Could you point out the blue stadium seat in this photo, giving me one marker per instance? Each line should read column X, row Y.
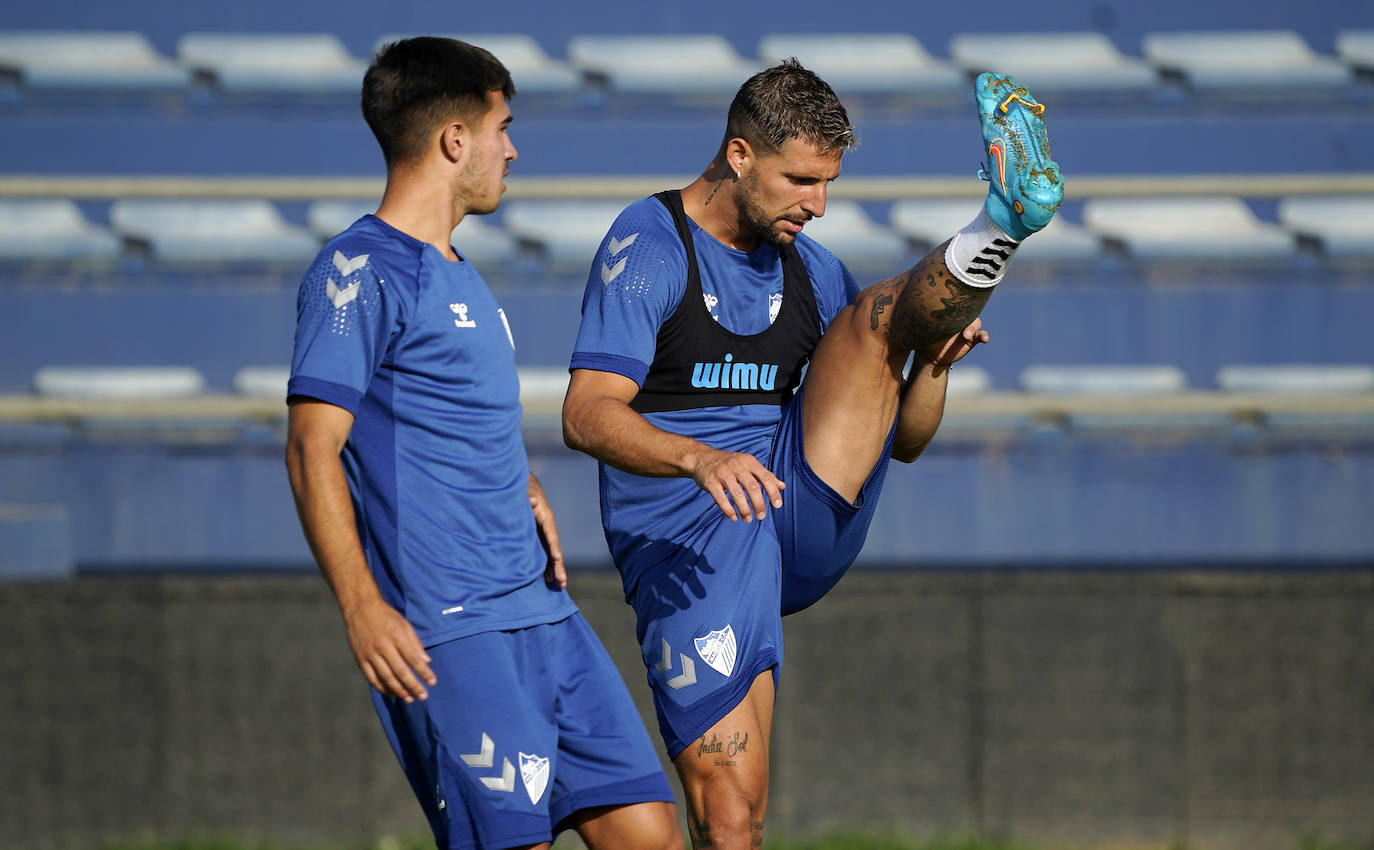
column 181, row 231
column 860, row 242
column 1188, row 228
column 867, row 63
column 685, row 65
column 1343, row 226
column 1264, row 62
column 1058, row 62
column 53, row 229
column 313, row 63
column 89, row 60
column 118, row 382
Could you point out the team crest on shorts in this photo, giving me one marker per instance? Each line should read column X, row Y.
column 534, row 770
column 718, row 650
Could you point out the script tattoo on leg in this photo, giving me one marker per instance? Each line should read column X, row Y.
column 723, row 751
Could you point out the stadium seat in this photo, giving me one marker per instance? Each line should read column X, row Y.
column 88, row 60
column 314, row 63
column 479, row 240
column 1343, row 226
column 210, row 231
column 567, row 233
column 965, row 381
column 931, row 221
column 1187, row 228
column 662, row 64
column 532, row 69
column 1356, row 49
column 1291, row 378
column 1275, row 62
column 861, row 243
column 866, row 63
column 1103, row 380
column 262, row 381
column 52, row 229
column 117, row 382
column 1054, row 61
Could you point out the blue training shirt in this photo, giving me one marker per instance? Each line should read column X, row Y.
column 637, row 280
column 415, row 346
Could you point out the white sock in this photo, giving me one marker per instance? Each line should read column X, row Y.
column 979, row 254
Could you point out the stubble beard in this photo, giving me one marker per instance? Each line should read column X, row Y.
column 755, row 219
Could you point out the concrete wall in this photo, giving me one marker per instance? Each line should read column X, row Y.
column 1223, row 709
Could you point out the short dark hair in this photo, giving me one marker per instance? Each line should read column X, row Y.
column 789, row 102
column 414, row 85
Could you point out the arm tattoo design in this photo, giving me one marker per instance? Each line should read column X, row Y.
column 879, row 304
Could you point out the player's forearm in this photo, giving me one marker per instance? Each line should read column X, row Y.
column 613, row 433
column 326, row 514
column 922, row 407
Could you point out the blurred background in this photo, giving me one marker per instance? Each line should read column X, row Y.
column 1124, row 598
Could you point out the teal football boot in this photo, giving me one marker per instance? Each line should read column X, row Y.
column 1026, row 187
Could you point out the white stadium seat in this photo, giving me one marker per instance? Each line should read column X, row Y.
column 197, row 231
column 1256, row 60
column 1344, row 226
column 52, row 229
column 662, row 64
column 117, row 382
column 89, row 60
column 1187, row 228
column 273, row 62
column 1059, row 61
column 1103, row 380
column 866, row 63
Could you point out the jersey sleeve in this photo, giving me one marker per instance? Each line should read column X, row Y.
column 348, row 310
column 636, row 281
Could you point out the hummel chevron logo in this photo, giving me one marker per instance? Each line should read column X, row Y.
column 339, row 296
column 689, row 668
column 615, row 246
column 485, row 758
column 346, row 266
column 610, row 273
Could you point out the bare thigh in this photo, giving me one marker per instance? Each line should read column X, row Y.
column 853, row 386
column 725, row 772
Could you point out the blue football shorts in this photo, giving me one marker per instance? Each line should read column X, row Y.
column 709, row 615
column 524, row 729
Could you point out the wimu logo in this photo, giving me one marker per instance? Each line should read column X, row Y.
column 734, row 376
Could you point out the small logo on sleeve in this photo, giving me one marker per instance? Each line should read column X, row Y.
column 462, row 321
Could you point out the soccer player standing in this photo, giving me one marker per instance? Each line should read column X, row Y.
column 410, row 477
column 702, row 310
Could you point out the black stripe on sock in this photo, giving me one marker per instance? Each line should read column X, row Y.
column 996, row 266
column 984, row 272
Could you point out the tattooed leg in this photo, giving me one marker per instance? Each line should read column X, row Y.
column 725, row 774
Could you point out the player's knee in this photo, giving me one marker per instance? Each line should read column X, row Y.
column 732, row 817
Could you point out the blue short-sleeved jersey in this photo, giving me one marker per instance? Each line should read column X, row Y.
column 416, row 347
column 636, row 282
